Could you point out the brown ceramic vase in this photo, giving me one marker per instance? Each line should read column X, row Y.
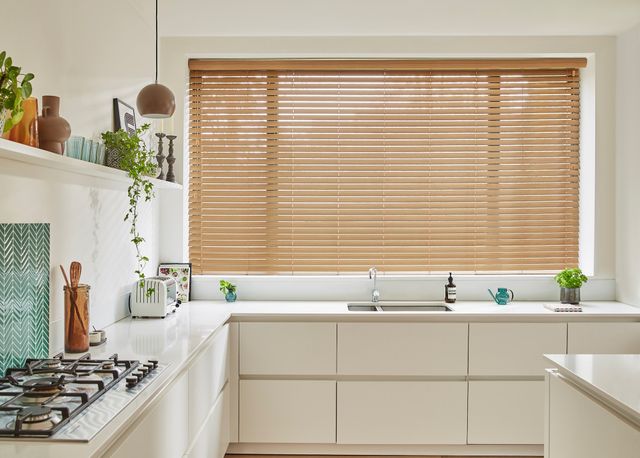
column 53, row 129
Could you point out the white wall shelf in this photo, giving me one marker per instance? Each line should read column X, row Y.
column 26, row 154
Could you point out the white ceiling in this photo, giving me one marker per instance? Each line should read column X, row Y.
column 394, row 17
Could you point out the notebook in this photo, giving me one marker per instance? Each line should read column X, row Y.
column 563, row 307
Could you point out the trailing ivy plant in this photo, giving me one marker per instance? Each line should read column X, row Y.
column 137, row 161
column 12, row 92
column 571, row 278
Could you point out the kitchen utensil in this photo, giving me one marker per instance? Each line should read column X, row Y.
column 75, row 271
column 502, row 297
column 74, row 308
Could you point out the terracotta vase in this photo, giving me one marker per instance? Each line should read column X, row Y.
column 26, row 131
column 53, row 129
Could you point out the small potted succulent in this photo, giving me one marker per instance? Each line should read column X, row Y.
column 13, row 91
column 570, row 281
column 229, row 291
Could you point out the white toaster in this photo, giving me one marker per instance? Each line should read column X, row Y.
column 159, row 303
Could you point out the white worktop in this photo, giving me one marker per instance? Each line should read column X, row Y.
column 177, row 339
column 612, row 379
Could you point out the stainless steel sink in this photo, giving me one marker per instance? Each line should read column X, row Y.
column 398, row 306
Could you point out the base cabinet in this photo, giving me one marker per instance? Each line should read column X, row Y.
column 288, row 411
column 426, row 412
column 212, row 440
column 506, row 412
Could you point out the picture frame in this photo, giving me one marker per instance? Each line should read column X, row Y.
column 124, row 117
column 181, row 273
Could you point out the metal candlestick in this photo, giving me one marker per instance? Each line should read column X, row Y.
column 170, row 160
column 160, row 157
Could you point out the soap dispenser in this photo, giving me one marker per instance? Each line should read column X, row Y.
column 450, row 291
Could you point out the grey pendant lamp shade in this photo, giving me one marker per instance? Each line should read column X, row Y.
column 156, row 100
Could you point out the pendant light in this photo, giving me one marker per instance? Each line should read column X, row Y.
column 156, row 100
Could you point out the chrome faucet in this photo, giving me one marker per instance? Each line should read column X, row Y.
column 373, row 275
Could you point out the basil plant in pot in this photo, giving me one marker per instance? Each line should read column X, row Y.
column 137, row 161
column 570, row 281
column 229, row 290
column 13, row 91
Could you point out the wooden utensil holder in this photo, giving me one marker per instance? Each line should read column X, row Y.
column 76, row 319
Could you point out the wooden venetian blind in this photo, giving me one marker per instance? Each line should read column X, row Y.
column 412, row 166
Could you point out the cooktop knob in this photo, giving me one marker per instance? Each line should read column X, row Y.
column 131, row 381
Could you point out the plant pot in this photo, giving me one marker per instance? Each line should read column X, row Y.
column 570, row 296
column 113, row 158
column 230, row 297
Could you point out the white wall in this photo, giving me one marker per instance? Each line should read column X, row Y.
column 87, row 52
column 175, row 52
column 628, row 167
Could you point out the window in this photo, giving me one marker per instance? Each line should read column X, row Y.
column 330, row 167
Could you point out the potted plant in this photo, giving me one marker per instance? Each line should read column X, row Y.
column 138, row 162
column 13, row 92
column 229, row 291
column 570, row 281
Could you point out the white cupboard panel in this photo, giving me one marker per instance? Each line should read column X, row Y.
column 506, row 412
column 433, row 412
column 213, row 439
column 287, row 348
column 516, row 349
column 402, row 348
column 604, row 338
column 288, row 411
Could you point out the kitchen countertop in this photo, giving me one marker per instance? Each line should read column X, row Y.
column 177, row 339
column 612, row 379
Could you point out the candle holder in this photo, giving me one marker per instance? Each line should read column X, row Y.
column 171, row 159
column 160, row 157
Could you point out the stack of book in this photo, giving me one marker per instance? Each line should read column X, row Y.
column 85, row 149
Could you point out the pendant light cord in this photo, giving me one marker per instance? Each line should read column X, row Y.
column 156, row 41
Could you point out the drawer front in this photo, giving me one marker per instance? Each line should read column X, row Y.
column 604, row 338
column 402, row 348
column 207, row 377
column 287, row 348
column 503, row 349
column 506, row 412
column 212, row 440
column 288, row 411
column 433, row 412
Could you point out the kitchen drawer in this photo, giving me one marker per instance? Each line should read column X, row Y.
column 430, row 412
column 207, row 376
column 287, row 348
column 402, row 348
column 288, row 411
column 513, row 349
column 604, row 338
column 506, row 412
column 212, row 438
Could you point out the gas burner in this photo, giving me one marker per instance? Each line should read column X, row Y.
column 45, row 384
column 35, row 414
column 51, row 364
column 36, row 418
column 108, row 365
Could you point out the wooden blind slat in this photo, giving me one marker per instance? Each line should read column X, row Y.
column 303, row 167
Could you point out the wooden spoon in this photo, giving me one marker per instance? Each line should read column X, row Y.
column 75, row 271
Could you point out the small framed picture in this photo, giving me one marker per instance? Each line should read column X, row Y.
column 124, row 117
column 181, row 273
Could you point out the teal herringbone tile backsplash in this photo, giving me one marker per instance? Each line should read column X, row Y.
column 24, row 293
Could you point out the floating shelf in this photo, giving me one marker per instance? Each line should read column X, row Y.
column 22, row 153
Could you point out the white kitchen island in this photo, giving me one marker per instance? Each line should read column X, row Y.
column 593, row 406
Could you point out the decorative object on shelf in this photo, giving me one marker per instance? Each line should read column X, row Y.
column 24, row 293
column 138, row 162
column 160, row 156
column 503, row 296
column 570, row 281
column 26, row 131
column 76, row 310
column 156, row 100
column 124, row 117
column 181, row 273
column 12, row 92
column 53, row 129
column 229, row 291
column 85, row 149
column 171, row 159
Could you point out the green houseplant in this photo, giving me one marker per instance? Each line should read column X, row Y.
column 229, row 290
column 13, row 91
column 570, row 281
column 137, row 161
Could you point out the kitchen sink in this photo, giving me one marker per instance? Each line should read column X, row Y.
column 400, row 306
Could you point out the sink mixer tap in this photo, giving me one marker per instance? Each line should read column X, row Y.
column 373, row 275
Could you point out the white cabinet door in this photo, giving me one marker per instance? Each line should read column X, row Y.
column 402, row 348
column 207, row 376
column 506, row 412
column 288, row 411
column 287, row 348
column 514, row 349
column 581, row 428
column 433, row 412
column 604, row 338
column 212, row 438
column 163, row 431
